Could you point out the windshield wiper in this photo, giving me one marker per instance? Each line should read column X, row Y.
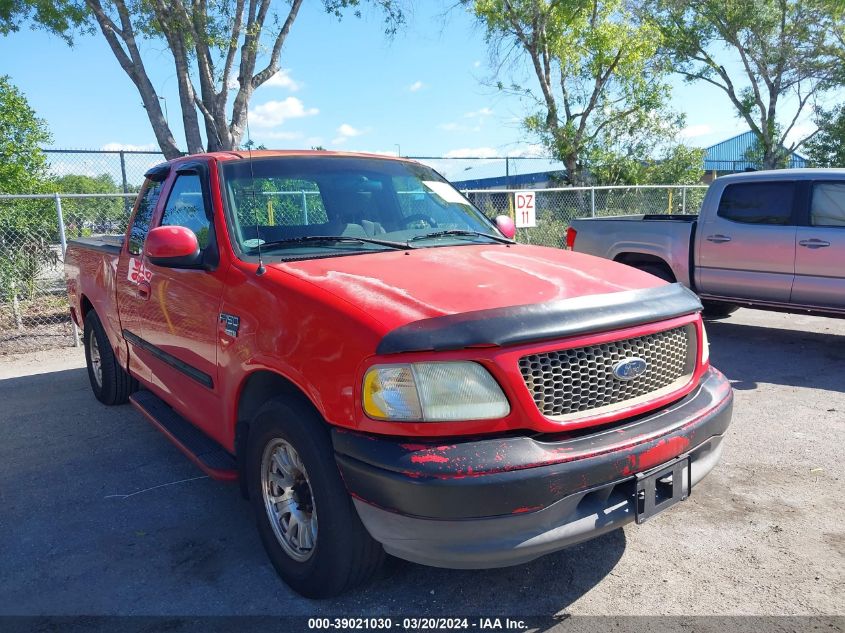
column 460, row 233
column 331, row 239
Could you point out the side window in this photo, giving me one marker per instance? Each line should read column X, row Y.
column 828, row 205
column 141, row 223
column 758, row 202
column 185, row 207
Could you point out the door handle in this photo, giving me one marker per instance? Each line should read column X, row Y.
column 718, row 239
column 144, row 290
column 814, row 243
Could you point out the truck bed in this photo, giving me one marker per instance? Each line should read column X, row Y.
column 665, row 217
column 107, row 243
column 650, row 237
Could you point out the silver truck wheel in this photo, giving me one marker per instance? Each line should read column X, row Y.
column 96, row 360
column 291, row 476
column 288, row 499
column 109, row 381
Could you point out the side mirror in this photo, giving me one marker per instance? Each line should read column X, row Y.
column 173, row 246
column 506, row 226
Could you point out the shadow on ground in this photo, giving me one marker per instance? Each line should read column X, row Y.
column 102, row 515
column 751, row 354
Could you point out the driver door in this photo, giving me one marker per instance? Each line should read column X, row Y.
column 184, row 308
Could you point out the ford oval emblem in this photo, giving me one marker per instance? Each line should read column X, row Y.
column 629, row 368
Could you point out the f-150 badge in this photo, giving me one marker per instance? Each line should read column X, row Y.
column 231, row 323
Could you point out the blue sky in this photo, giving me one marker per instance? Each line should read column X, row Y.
column 344, row 86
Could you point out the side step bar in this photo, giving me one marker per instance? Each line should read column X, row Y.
column 214, row 460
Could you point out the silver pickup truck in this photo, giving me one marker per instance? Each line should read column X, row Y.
column 766, row 239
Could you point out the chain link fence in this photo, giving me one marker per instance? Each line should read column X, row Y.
column 96, row 191
column 556, row 208
column 33, row 233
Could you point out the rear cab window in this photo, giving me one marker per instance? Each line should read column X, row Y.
column 144, row 216
column 758, row 203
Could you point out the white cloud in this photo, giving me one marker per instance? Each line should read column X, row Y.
column 478, row 114
column 379, row 152
column 282, row 79
column 529, row 151
column 127, row 147
column 694, row 131
column 346, row 132
column 417, row 85
column 472, row 152
column 476, row 64
column 477, row 117
column 274, row 113
column 281, row 135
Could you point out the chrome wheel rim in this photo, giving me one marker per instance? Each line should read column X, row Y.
column 288, row 499
column 96, row 360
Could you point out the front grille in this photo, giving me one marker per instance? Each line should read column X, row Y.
column 570, row 383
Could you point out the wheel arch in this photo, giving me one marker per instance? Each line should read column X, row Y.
column 257, row 388
column 85, row 306
column 633, row 258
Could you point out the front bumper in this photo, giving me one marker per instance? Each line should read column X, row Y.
column 502, row 501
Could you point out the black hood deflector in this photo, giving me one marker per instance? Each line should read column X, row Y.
column 541, row 321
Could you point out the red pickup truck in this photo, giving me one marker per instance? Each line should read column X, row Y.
column 384, row 370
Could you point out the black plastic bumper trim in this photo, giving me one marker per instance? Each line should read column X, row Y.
column 507, row 475
column 541, row 321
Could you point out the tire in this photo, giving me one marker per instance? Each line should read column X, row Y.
column 658, row 270
column 718, row 310
column 110, row 383
column 343, row 554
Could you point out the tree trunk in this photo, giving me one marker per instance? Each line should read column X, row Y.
column 573, row 174
column 186, row 99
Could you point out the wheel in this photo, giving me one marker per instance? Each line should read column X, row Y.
column 306, row 519
column 110, row 383
column 717, row 309
column 658, row 270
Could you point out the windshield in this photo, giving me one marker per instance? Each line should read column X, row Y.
column 289, row 202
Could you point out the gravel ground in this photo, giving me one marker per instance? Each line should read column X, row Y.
column 101, row 515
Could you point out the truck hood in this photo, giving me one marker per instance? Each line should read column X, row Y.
column 400, row 287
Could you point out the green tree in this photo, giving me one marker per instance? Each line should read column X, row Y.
column 788, row 52
column 98, row 215
column 674, row 165
column 22, row 163
column 26, row 226
column 596, row 65
column 827, row 148
column 217, row 48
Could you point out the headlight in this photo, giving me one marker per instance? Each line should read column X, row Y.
column 433, row 392
column 705, row 345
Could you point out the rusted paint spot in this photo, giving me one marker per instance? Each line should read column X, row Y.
column 415, row 447
column 423, row 459
column 663, row 451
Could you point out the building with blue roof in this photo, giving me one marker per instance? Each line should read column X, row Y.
column 726, row 157
column 516, row 173
column 732, row 155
